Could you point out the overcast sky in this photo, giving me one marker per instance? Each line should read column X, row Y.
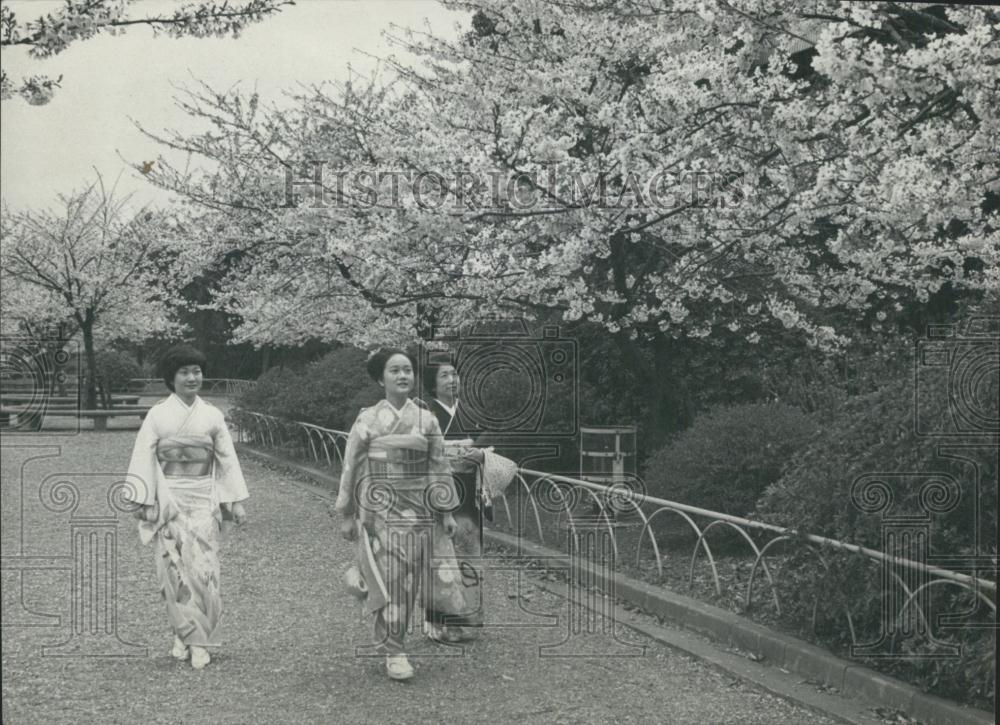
column 45, row 150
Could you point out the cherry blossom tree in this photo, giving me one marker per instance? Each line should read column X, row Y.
column 684, row 169
column 94, row 268
column 79, row 20
column 31, row 325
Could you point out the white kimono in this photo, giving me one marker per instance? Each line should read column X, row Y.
column 185, row 532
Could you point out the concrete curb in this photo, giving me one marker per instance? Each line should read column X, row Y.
column 779, row 650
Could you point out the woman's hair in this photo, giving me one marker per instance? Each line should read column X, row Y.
column 378, row 359
column 177, row 357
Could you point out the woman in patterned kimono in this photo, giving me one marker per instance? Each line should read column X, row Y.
column 472, row 469
column 183, row 473
column 396, row 494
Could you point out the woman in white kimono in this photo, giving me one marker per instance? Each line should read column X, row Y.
column 184, row 473
column 397, row 492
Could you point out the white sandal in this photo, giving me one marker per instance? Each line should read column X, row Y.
column 180, row 650
column 199, row 657
column 398, row 667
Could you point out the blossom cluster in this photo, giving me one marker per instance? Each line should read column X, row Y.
column 853, row 146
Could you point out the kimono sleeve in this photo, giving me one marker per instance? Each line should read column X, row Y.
column 143, row 468
column 354, row 457
column 229, row 481
column 443, row 495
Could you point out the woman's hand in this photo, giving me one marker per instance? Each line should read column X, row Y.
column 349, row 529
column 147, row 512
column 449, row 524
column 475, row 455
column 239, row 513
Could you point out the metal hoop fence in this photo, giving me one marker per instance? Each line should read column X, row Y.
column 543, row 497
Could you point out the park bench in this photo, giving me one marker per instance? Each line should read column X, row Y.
column 42, row 404
column 100, row 417
column 61, row 400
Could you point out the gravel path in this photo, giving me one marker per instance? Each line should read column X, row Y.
column 291, row 632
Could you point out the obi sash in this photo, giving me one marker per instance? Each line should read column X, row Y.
column 186, row 456
column 399, row 459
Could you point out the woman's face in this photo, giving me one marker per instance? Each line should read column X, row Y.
column 397, row 378
column 187, row 380
column 446, row 383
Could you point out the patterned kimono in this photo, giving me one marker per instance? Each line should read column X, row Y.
column 185, row 463
column 397, row 483
column 469, row 515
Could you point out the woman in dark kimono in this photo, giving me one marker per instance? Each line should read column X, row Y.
column 442, row 384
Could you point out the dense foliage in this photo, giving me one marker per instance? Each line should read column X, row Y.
column 920, row 446
column 731, row 453
column 114, row 369
column 679, row 170
column 328, row 392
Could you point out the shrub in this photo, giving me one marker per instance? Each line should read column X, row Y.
column 271, row 389
column 113, row 370
column 728, row 456
column 877, row 433
column 328, row 392
column 820, row 493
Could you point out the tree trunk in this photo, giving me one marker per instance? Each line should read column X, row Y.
column 672, row 410
column 88, row 348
